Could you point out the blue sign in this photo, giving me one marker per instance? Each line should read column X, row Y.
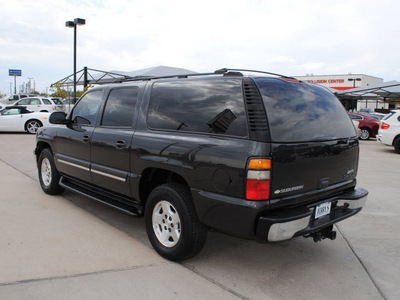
column 12, row 72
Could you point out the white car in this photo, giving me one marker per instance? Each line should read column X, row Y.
column 389, row 131
column 39, row 104
column 21, row 119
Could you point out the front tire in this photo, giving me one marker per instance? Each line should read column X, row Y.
column 32, row 126
column 49, row 177
column 172, row 224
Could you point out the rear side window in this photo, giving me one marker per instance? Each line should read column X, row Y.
column 299, row 112
column 205, row 106
column 46, row 101
column 120, row 107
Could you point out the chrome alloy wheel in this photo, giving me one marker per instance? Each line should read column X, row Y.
column 45, row 169
column 166, row 224
column 33, row 126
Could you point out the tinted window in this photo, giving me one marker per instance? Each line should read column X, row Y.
column 300, row 112
column 46, row 101
column 120, row 107
column 209, row 106
column 85, row 111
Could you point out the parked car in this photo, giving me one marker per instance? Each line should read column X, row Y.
column 369, row 112
column 260, row 157
column 389, row 131
column 10, row 100
column 68, row 105
column 39, row 104
column 18, row 118
column 369, row 126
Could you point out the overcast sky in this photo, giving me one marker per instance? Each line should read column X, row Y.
column 291, row 37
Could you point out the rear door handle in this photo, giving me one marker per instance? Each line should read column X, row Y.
column 121, row 144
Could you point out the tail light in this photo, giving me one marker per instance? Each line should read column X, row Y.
column 258, row 179
column 385, row 125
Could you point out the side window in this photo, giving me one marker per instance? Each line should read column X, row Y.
column 46, row 101
column 204, row 106
column 22, row 102
column 85, row 111
column 120, row 107
column 34, row 102
column 12, row 111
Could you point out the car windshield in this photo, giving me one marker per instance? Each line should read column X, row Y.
column 299, row 112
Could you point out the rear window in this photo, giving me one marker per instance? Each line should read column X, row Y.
column 299, row 112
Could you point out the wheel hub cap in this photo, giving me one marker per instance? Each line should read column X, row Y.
column 46, row 172
column 166, row 223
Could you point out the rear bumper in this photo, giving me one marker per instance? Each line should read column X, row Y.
column 286, row 224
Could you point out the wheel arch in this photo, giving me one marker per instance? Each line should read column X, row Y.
column 40, row 146
column 153, row 177
column 395, row 139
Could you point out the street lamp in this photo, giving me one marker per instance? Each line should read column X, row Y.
column 73, row 24
column 354, row 81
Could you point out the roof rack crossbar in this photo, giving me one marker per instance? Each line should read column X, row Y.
column 225, row 70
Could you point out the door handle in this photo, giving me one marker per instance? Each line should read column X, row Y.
column 121, row 144
column 86, row 138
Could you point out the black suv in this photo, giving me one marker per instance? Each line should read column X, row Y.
column 261, row 156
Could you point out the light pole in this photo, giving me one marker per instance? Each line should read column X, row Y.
column 73, row 24
column 354, row 81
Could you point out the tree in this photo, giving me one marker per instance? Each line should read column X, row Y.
column 58, row 91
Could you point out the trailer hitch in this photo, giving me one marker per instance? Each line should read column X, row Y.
column 325, row 233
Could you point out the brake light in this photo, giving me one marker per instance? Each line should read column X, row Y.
column 258, row 179
column 385, row 125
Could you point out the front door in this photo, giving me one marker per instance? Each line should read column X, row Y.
column 73, row 142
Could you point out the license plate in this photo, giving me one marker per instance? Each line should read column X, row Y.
column 322, row 210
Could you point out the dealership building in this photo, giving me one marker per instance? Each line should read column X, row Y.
column 346, row 82
column 341, row 82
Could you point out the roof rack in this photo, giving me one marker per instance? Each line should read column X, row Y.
column 226, row 70
column 87, row 78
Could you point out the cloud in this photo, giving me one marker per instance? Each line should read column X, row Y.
column 288, row 37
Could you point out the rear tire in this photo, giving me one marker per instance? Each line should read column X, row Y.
column 172, row 224
column 49, row 177
column 32, row 126
column 396, row 145
column 365, row 134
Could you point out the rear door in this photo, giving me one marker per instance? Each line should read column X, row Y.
column 111, row 141
column 313, row 141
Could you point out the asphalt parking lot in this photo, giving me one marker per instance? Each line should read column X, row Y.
column 69, row 247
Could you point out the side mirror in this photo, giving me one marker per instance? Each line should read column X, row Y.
column 58, row 117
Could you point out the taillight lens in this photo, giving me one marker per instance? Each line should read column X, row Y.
column 385, row 125
column 258, row 179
